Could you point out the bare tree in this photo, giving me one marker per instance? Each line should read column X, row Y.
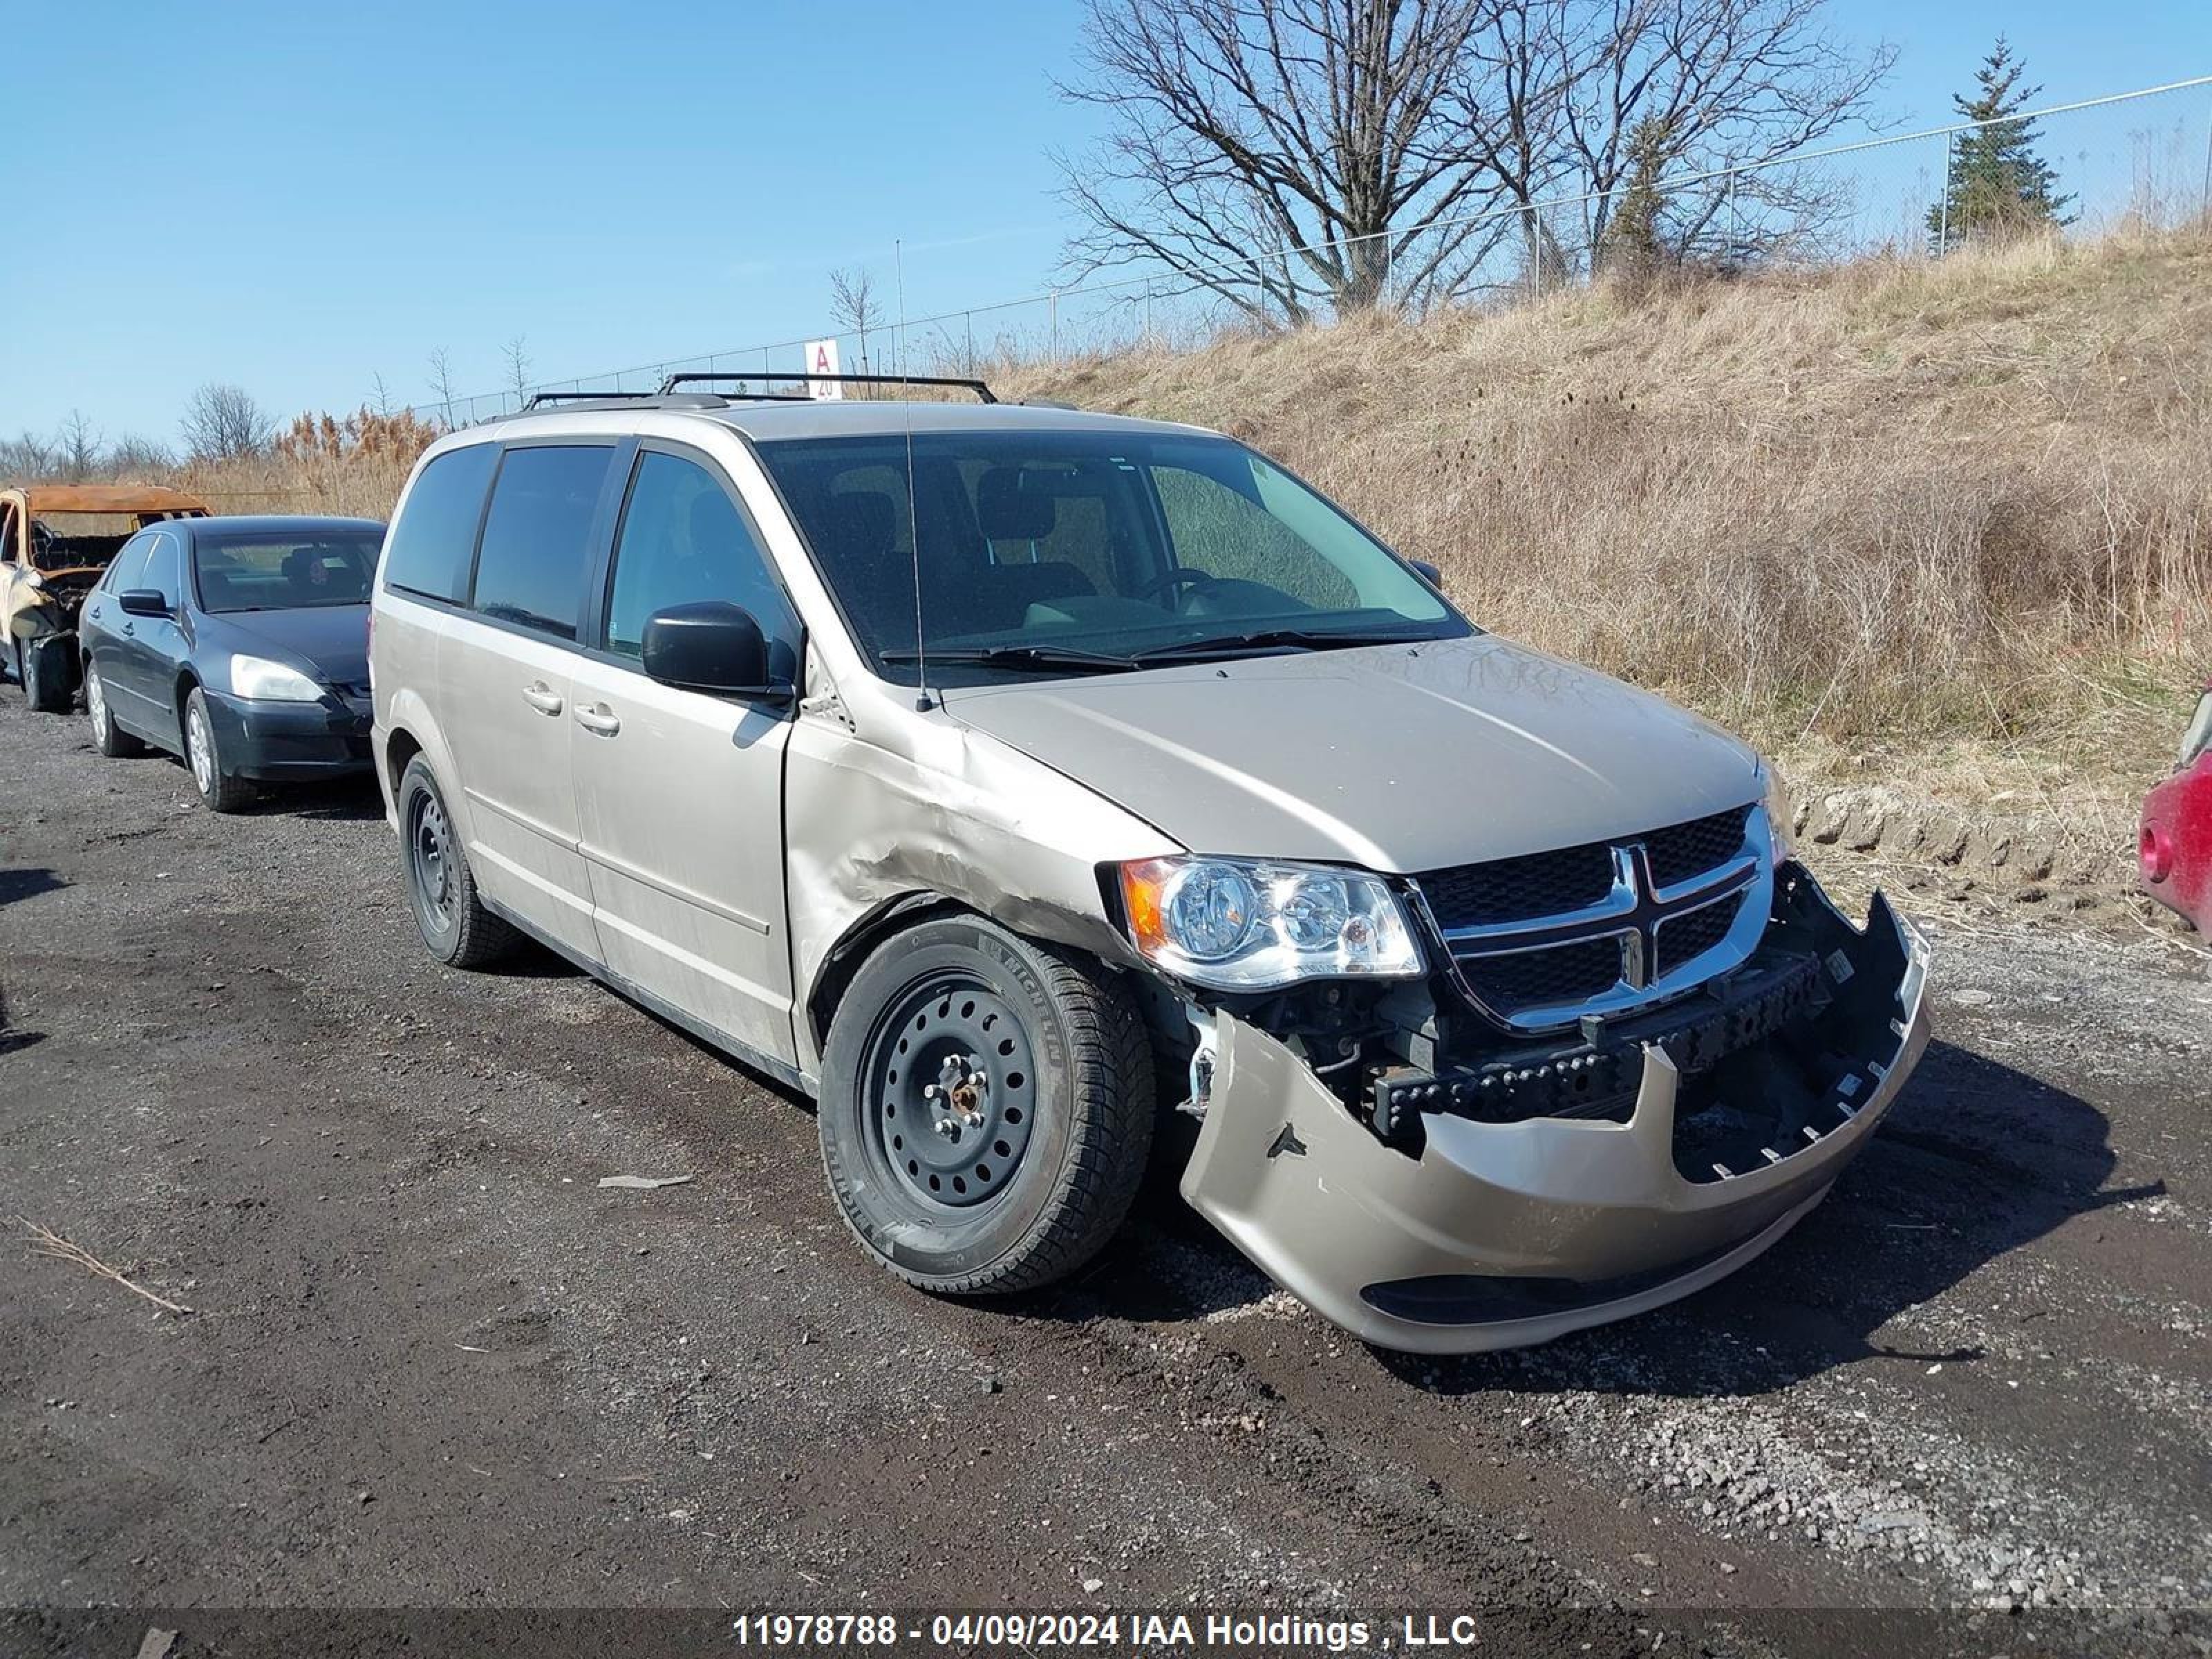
column 1558, row 93
column 854, row 307
column 223, row 423
column 77, row 445
column 518, row 369
column 1278, row 153
column 25, row 456
column 379, row 394
column 1410, row 138
column 441, row 381
column 134, row 457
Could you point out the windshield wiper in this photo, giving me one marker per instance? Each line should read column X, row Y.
column 1309, row 639
column 1018, row 656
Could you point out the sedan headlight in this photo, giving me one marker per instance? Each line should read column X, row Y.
column 272, row 682
column 1236, row 925
column 1780, row 822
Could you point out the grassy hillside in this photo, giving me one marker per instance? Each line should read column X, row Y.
column 1949, row 525
column 1961, row 512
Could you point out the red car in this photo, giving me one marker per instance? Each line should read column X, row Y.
column 2177, row 827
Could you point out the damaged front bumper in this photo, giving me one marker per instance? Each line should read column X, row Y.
column 1482, row 1234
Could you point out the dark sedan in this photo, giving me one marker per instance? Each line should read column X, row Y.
column 238, row 643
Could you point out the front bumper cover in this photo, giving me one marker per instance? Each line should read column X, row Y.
column 274, row 741
column 1501, row 1235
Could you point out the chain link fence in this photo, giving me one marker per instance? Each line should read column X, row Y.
column 2138, row 160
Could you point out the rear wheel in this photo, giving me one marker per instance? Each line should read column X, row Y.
column 455, row 923
column 222, row 791
column 111, row 739
column 987, row 1107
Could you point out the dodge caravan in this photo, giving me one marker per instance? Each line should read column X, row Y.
column 1011, row 779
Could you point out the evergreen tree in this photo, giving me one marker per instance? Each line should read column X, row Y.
column 1998, row 184
column 1635, row 249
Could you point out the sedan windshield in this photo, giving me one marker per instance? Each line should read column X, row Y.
column 283, row 570
column 1058, row 553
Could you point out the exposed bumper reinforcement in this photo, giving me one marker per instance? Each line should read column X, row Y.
column 1502, row 1235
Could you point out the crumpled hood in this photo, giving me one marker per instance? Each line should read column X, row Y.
column 1398, row 758
column 333, row 639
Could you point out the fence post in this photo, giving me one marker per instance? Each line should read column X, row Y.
column 2208, row 159
column 1735, row 226
column 1943, row 223
column 1055, row 325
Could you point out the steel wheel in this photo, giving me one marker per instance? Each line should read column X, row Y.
column 429, row 845
column 95, row 705
column 952, row 1093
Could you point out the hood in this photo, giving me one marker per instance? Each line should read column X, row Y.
column 1397, row 758
column 332, row 639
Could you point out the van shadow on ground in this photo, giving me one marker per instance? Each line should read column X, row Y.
column 1976, row 1160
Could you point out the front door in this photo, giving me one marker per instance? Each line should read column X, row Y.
column 140, row 670
column 679, row 795
column 504, row 680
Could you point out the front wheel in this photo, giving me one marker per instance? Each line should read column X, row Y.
column 45, row 689
column 220, row 790
column 987, row 1107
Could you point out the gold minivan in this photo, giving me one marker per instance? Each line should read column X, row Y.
column 1045, row 792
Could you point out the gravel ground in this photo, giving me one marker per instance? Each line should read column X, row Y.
column 431, row 1364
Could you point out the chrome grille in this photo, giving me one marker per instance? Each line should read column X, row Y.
column 1514, row 889
column 1538, row 941
column 1684, row 850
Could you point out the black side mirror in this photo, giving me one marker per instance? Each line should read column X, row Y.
column 1429, row 573
column 710, row 645
column 144, row 602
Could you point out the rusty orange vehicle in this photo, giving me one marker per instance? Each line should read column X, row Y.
column 55, row 542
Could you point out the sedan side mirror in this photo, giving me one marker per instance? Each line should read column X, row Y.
column 1429, row 573
column 710, row 645
column 144, row 602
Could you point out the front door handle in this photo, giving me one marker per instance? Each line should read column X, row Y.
column 541, row 697
column 602, row 720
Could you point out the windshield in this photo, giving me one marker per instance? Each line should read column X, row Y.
column 283, row 570
column 1074, row 552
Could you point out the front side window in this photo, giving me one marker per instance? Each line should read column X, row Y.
column 1056, row 552
column 537, row 534
column 128, row 568
column 683, row 539
column 163, row 569
column 283, row 570
column 430, row 548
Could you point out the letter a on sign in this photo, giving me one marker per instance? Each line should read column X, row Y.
column 821, row 359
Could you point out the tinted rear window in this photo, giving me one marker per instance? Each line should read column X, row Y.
column 536, row 537
column 427, row 552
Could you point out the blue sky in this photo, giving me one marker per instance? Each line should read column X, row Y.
column 295, row 198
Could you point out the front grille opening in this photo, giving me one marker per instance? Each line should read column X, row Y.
column 1544, row 979
column 1684, row 850
column 1520, row 890
column 1683, row 939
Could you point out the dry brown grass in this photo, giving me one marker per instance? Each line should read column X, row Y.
column 1958, row 512
column 1950, row 523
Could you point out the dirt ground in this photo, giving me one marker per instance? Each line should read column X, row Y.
column 431, row 1364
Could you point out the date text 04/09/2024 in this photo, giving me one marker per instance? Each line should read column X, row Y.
column 1001, row 1628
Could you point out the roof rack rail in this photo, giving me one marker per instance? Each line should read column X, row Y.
column 537, row 398
column 982, row 391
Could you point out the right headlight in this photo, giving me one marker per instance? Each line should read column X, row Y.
column 1243, row 925
column 1779, row 818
